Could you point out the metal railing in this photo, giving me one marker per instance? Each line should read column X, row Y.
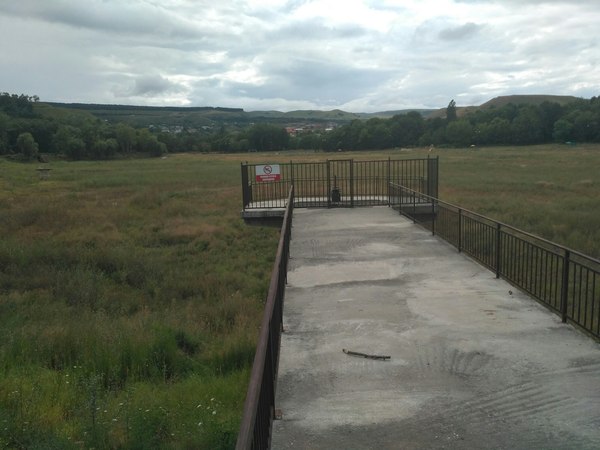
column 358, row 183
column 259, row 407
column 566, row 281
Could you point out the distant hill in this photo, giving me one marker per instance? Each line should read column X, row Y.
column 390, row 114
column 335, row 115
column 498, row 102
column 528, row 100
column 207, row 116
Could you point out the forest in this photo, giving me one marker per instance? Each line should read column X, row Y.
column 31, row 129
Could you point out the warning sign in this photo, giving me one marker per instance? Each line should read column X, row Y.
column 268, row 172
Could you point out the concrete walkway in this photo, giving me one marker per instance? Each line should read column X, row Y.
column 473, row 366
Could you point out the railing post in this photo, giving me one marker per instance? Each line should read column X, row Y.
column 428, row 175
column 432, row 216
column 414, row 214
column 498, row 250
column 245, row 196
column 565, row 286
column 328, row 185
column 388, row 179
column 460, row 230
column 351, row 183
column 437, row 176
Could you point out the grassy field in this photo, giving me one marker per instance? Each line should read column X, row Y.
column 551, row 191
column 130, row 298
column 131, row 292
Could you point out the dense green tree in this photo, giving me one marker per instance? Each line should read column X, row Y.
column 126, row 137
column 585, row 126
column 527, row 127
column 105, row 148
column 549, row 113
column 68, row 141
column 149, row 143
column 4, row 123
column 563, row 130
column 264, row 137
column 27, row 146
column 496, row 132
column 451, row 111
column 459, row 133
column 406, row 129
column 17, row 105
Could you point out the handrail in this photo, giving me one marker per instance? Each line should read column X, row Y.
column 363, row 181
column 259, row 407
column 564, row 280
column 502, row 224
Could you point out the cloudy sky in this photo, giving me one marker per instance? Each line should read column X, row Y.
column 369, row 55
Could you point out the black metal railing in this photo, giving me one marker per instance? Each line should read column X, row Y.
column 259, row 407
column 566, row 281
column 317, row 184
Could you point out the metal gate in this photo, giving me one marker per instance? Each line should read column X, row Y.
column 340, row 185
column 336, row 182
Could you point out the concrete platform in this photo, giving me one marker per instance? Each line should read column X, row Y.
column 474, row 363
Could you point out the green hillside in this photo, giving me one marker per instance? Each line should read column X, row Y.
column 196, row 117
column 498, row 102
column 528, row 100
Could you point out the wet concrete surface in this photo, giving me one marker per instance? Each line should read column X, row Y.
column 474, row 362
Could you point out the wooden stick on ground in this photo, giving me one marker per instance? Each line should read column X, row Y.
column 364, row 355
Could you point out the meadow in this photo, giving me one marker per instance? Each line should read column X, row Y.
column 130, row 299
column 131, row 291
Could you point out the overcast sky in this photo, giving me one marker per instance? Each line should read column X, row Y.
column 369, row 55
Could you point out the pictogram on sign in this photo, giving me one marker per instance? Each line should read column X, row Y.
column 268, row 172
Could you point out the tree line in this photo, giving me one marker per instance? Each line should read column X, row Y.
column 28, row 128
column 511, row 124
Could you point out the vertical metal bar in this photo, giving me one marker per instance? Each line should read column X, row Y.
column 555, row 278
column 527, row 266
column 574, row 285
column 537, row 276
column 585, row 308
column 593, row 307
column 460, row 230
column 498, row 249
column 580, row 283
column 244, row 174
column 328, row 193
column 388, row 178
column 565, row 286
column 432, row 216
column 351, row 183
column 544, row 277
column 437, row 175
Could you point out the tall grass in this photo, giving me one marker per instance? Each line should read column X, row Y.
column 130, row 296
column 131, row 291
column 552, row 191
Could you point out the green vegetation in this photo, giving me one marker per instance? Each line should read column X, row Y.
column 130, row 298
column 131, row 292
column 79, row 131
column 550, row 190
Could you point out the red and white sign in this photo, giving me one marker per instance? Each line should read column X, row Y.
column 268, row 172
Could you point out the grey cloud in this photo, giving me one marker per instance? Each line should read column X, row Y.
column 199, row 52
column 461, row 32
column 312, row 80
column 317, row 30
column 104, row 16
column 149, row 86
